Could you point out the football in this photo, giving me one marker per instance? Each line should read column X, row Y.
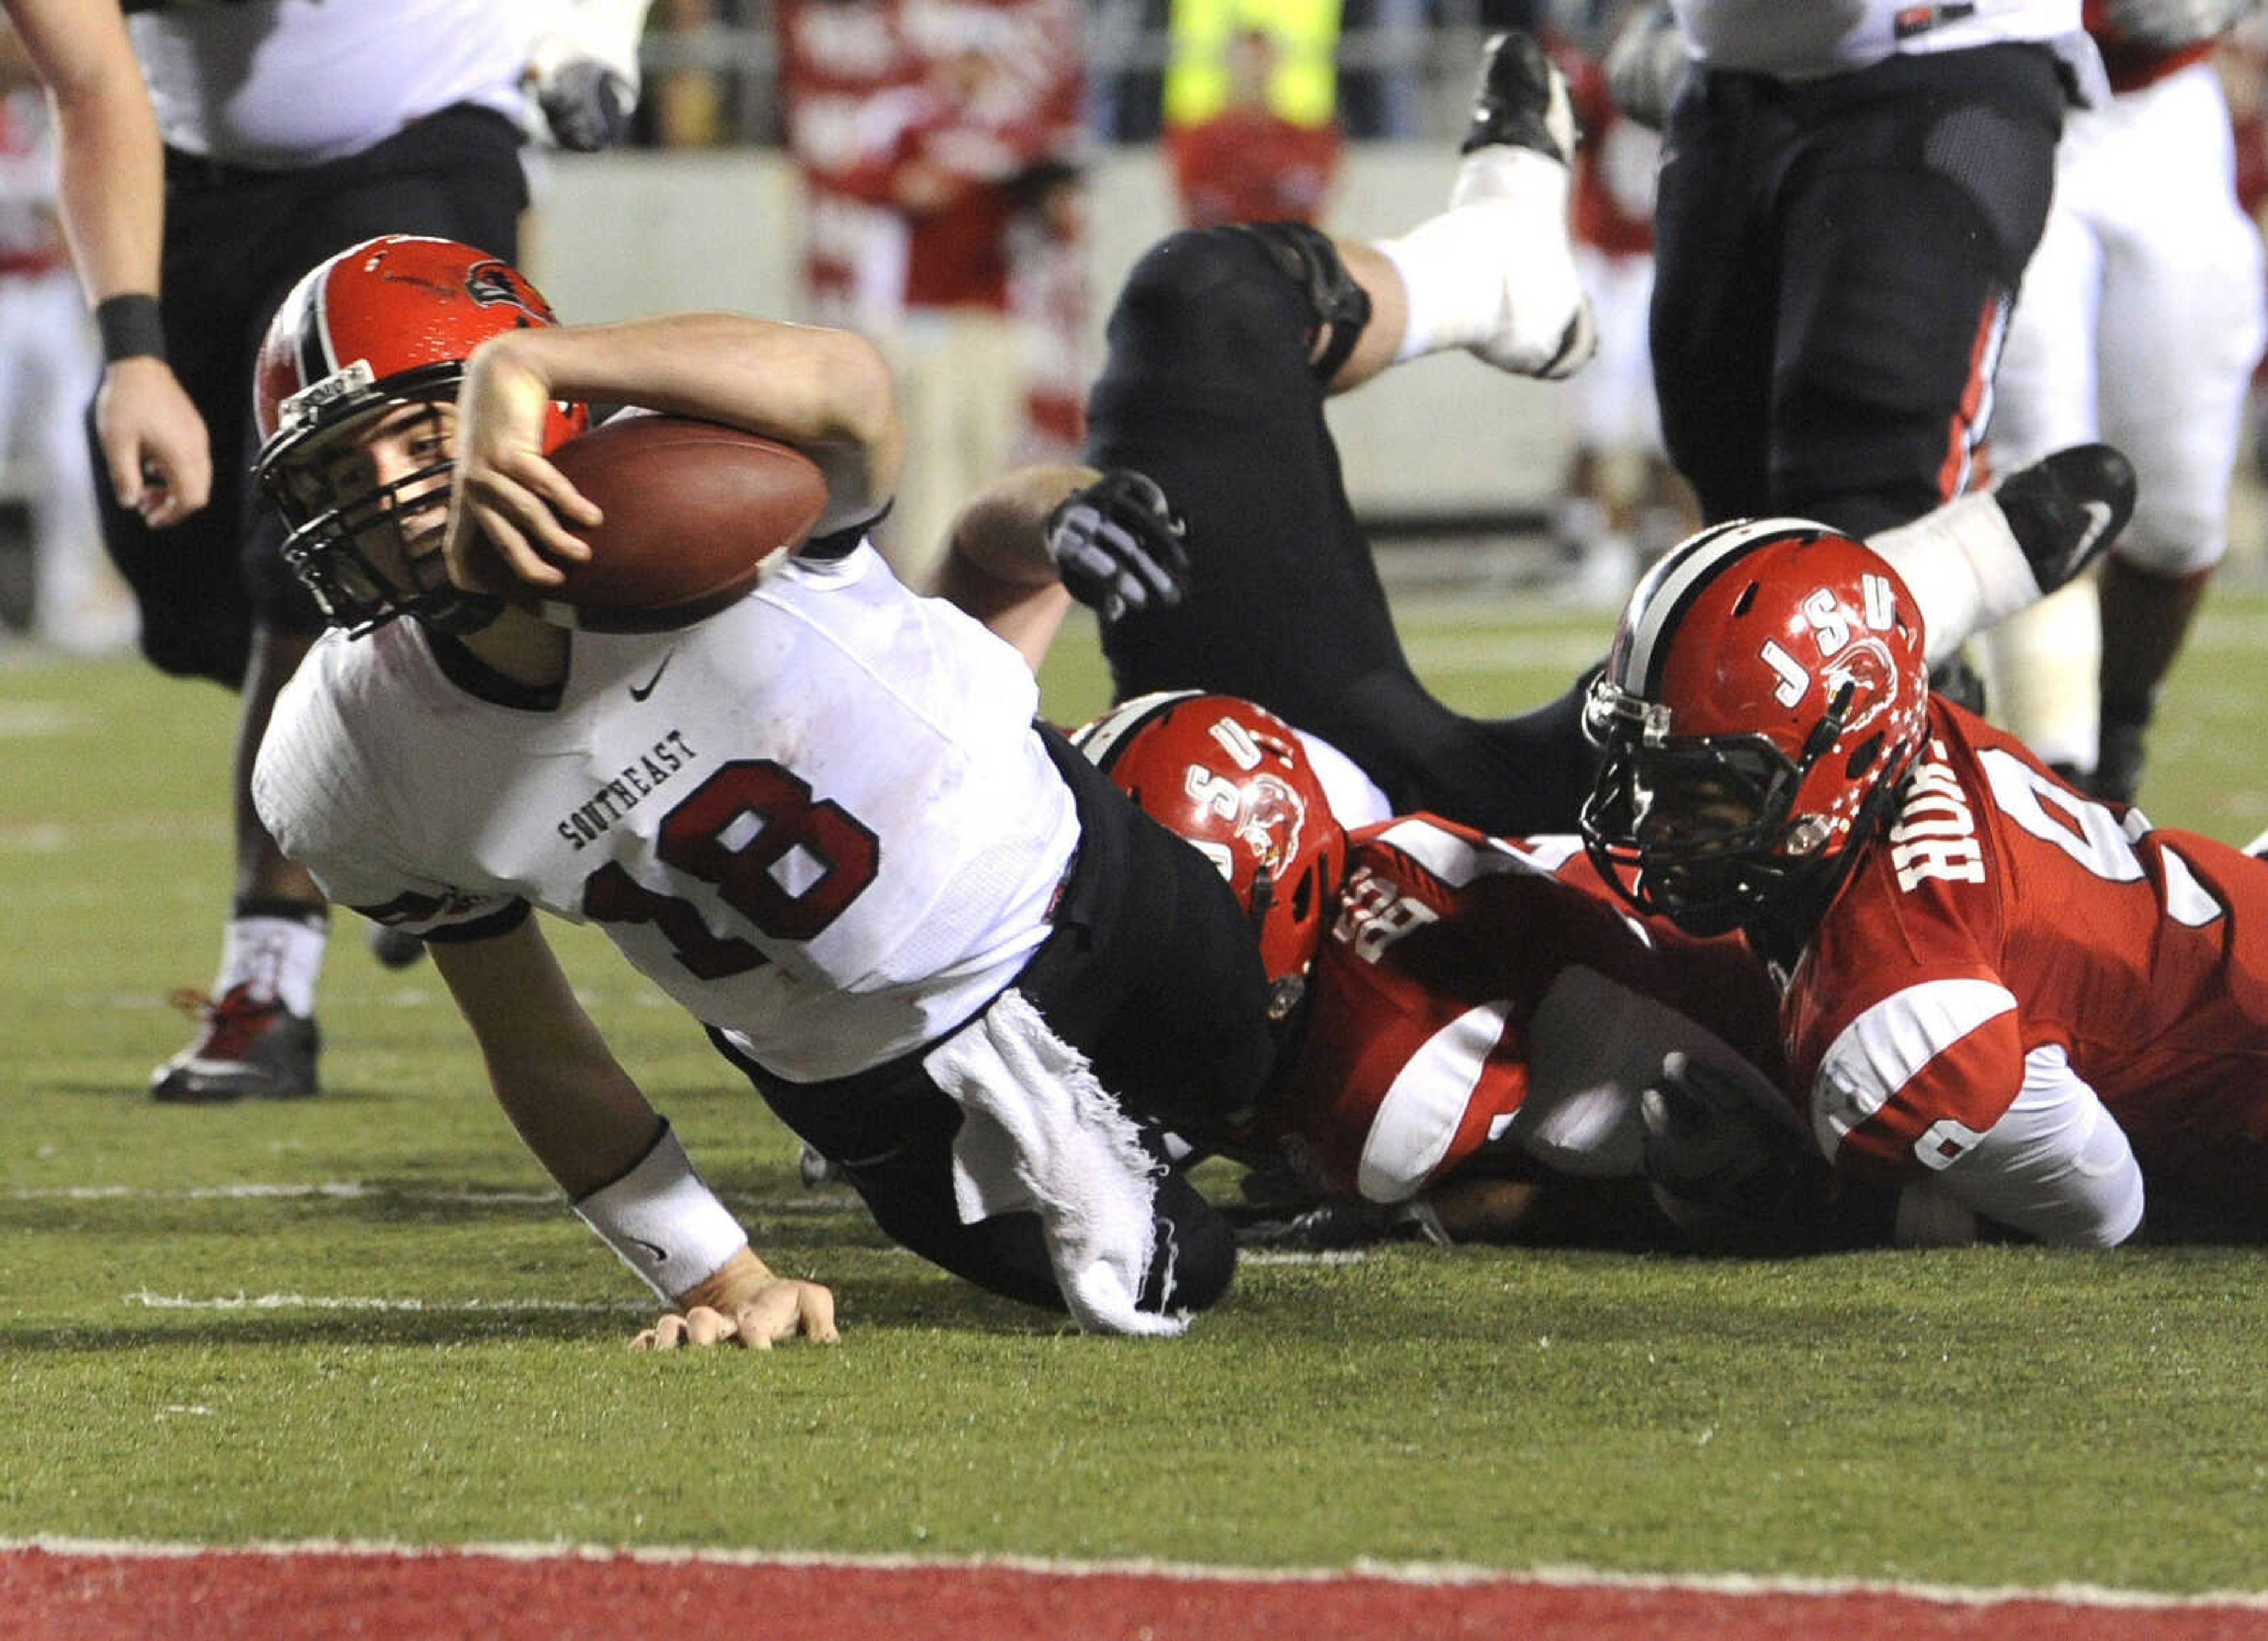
column 694, row 512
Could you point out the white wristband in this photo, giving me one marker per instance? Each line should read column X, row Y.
column 665, row 1223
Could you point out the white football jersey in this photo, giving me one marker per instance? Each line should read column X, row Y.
column 822, row 820
column 277, row 84
column 1804, row 41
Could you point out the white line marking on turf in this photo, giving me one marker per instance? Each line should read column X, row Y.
column 358, row 1190
column 352, row 1302
column 1423, row 1573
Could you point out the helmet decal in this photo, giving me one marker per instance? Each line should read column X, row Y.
column 1235, row 781
column 1766, row 693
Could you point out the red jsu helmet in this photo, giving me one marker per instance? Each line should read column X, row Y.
column 388, row 322
column 1233, row 778
column 1764, row 698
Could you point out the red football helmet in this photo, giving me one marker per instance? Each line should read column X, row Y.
column 1764, row 700
column 386, row 323
column 1232, row 778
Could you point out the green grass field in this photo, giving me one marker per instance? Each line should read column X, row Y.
column 367, row 1317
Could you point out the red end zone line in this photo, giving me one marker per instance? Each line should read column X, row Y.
column 95, row 1593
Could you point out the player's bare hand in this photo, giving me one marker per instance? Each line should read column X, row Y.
column 512, row 515
column 154, row 445
column 744, row 1304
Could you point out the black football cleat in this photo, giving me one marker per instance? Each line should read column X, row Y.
column 2067, row 509
column 1522, row 100
column 245, row 1045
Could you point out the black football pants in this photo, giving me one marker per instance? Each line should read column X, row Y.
column 1207, row 390
column 1152, row 973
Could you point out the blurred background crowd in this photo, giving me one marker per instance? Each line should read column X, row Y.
column 942, row 159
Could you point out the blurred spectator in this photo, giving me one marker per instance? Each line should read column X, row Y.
column 685, row 106
column 1051, row 295
column 2141, row 319
column 1303, row 77
column 2242, row 59
column 48, row 364
column 969, row 139
column 1246, row 163
column 836, row 60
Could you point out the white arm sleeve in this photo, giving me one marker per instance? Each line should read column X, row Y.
column 2056, row 1165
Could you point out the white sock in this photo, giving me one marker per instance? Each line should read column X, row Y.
column 273, row 957
column 2042, row 675
column 1494, row 271
column 1964, row 568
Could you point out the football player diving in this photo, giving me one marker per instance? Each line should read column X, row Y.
column 943, row 947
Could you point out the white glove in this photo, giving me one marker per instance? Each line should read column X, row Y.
column 1646, row 64
column 2170, row 25
column 585, row 71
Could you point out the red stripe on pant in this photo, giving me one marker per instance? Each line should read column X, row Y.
column 1969, row 416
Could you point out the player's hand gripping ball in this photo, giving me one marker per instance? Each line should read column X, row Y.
column 694, row 512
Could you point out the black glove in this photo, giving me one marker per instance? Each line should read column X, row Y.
column 1726, row 1167
column 1118, row 546
column 587, row 106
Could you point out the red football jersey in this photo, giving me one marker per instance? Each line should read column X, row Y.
column 1615, row 164
column 2006, row 925
column 1248, row 165
column 1475, row 992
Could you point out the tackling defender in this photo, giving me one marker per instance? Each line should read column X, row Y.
column 2042, row 1005
column 1224, row 345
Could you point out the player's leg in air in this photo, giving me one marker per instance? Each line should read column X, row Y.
column 1223, row 347
column 1224, row 344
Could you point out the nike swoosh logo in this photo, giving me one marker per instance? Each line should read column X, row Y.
column 654, row 1251
column 2098, row 520
column 654, row 682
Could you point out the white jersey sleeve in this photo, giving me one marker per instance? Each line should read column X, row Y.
column 325, row 789
column 1801, row 42
column 2054, row 1163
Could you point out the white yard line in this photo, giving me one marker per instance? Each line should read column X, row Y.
column 357, row 1302
column 413, row 1195
column 1428, row 1573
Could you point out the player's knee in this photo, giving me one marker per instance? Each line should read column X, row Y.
column 1226, row 294
column 1195, row 1260
column 1187, row 281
